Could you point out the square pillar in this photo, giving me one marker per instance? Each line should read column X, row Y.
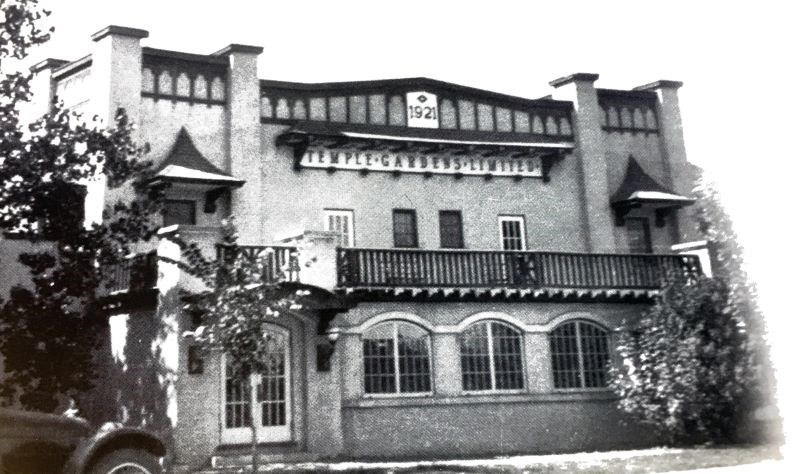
column 579, row 89
column 680, row 172
column 116, row 75
column 243, row 117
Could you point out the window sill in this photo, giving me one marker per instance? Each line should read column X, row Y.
column 492, row 393
column 384, row 396
column 481, row 398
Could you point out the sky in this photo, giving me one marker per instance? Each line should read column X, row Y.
column 737, row 61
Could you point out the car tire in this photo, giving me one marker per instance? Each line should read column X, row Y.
column 127, row 461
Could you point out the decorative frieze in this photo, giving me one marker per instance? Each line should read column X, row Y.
column 627, row 111
column 395, row 103
column 181, row 77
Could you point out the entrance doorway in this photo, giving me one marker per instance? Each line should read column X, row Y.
column 270, row 405
column 638, row 230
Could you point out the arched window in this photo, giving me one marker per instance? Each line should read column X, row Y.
column 580, row 353
column 491, row 357
column 396, row 359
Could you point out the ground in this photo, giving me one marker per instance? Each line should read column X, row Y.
column 635, row 461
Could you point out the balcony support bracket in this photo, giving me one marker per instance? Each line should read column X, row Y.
column 211, row 197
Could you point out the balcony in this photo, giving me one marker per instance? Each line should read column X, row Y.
column 140, row 272
column 281, row 262
column 134, row 274
column 360, row 268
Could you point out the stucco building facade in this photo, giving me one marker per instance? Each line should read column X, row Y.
column 473, row 253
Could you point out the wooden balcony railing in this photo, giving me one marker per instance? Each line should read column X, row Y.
column 140, row 272
column 137, row 273
column 280, row 261
column 475, row 268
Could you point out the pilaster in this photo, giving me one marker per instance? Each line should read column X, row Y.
column 680, row 172
column 243, row 116
column 446, row 365
column 116, row 75
column 537, row 362
column 579, row 89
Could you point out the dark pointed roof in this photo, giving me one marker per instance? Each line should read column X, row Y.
column 640, row 186
column 185, row 163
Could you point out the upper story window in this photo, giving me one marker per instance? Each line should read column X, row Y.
column 638, row 230
column 451, row 230
column 491, row 357
column 396, row 359
column 512, row 233
column 404, row 224
column 341, row 222
column 182, row 212
column 579, row 350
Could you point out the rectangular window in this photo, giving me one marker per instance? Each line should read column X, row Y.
column 341, row 222
column 638, row 230
column 180, row 212
column 405, row 227
column 512, row 233
column 451, row 233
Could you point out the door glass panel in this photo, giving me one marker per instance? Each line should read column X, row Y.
column 237, row 401
column 270, row 406
column 272, row 395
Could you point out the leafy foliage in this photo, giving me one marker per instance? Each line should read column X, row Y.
column 238, row 303
column 20, row 28
column 687, row 364
column 716, row 227
column 696, row 364
column 47, row 331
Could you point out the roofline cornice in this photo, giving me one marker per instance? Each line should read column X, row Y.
column 422, row 82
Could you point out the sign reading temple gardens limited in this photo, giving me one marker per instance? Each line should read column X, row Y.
column 530, row 167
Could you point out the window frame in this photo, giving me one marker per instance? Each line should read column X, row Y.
column 413, row 214
column 193, row 203
column 580, row 351
column 396, row 361
column 492, row 370
column 523, row 231
column 348, row 213
column 451, row 212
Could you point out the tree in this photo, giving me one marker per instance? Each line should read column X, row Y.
column 695, row 365
column 687, row 363
column 239, row 301
column 49, row 330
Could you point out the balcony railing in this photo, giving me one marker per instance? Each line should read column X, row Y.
column 473, row 268
column 136, row 273
column 280, row 261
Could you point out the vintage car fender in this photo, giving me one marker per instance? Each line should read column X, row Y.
column 108, row 438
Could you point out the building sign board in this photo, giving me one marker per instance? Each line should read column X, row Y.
column 528, row 167
column 422, row 110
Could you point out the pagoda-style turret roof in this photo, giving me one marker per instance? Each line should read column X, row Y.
column 185, row 163
column 640, row 186
column 640, row 190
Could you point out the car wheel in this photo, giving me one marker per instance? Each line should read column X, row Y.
column 127, row 461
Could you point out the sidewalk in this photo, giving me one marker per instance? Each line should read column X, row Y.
column 739, row 460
